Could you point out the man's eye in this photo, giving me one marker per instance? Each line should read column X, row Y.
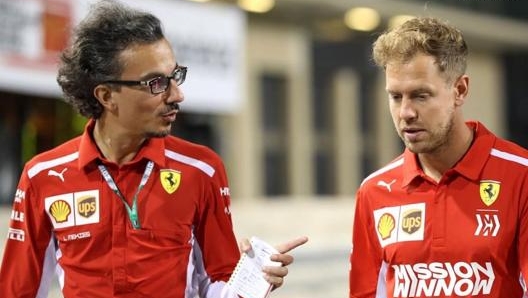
column 394, row 97
column 157, row 82
column 422, row 96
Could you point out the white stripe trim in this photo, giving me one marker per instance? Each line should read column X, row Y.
column 386, row 168
column 204, row 167
column 48, row 269
column 494, row 152
column 511, row 157
column 41, row 166
column 381, row 288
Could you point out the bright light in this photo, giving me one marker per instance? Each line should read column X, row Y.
column 362, row 19
column 258, row 6
column 199, row 0
column 398, row 20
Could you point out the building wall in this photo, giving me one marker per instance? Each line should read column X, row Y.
column 285, row 50
column 281, row 51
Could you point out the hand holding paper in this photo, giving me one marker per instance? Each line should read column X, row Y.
column 262, row 268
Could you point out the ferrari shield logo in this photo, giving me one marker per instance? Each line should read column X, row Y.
column 170, row 180
column 489, row 191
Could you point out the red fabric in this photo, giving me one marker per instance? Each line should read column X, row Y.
column 99, row 252
column 413, row 237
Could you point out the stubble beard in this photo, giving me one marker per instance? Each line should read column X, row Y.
column 436, row 141
column 158, row 134
column 167, row 131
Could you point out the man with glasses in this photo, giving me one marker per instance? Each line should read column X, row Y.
column 126, row 209
column 158, row 84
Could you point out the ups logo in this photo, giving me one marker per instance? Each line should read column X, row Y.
column 86, row 207
column 411, row 221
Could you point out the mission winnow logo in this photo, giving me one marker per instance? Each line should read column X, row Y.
column 435, row 279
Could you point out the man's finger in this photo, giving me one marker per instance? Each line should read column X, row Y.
column 244, row 245
column 287, row 246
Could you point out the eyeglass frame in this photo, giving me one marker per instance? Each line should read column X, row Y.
column 150, row 82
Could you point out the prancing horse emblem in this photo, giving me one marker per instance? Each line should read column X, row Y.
column 489, row 191
column 170, row 180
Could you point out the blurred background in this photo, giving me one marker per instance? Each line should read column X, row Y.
column 284, row 90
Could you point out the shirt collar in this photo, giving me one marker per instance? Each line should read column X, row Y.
column 470, row 165
column 153, row 149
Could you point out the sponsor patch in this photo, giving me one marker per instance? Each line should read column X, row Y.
column 73, row 209
column 488, row 223
column 86, row 207
column 400, row 223
column 489, row 191
column 17, row 215
column 386, row 225
column 16, row 234
column 443, row 279
column 76, row 236
column 19, row 195
column 224, row 191
column 170, row 180
column 411, row 221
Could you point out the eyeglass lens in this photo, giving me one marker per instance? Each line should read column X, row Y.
column 161, row 84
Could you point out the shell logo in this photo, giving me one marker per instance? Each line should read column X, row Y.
column 60, row 210
column 386, row 225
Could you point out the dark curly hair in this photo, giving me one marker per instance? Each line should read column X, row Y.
column 93, row 55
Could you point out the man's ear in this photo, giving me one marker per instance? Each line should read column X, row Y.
column 461, row 87
column 103, row 93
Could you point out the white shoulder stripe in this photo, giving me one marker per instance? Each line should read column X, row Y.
column 386, row 168
column 204, row 167
column 508, row 156
column 41, row 166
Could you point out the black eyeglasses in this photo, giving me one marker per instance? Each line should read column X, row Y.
column 158, row 84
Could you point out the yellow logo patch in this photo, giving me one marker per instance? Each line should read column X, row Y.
column 86, row 206
column 386, row 225
column 411, row 221
column 489, row 191
column 60, row 210
column 170, row 180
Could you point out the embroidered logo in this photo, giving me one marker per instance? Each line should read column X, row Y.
column 412, row 221
column 488, row 223
column 407, row 220
column 19, row 195
column 16, row 234
column 385, row 184
column 60, row 210
column 170, row 180
column 386, row 225
column 73, row 209
column 489, row 191
column 57, row 174
column 86, row 206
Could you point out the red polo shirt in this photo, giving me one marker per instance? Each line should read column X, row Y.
column 466, row 235
column 67, row 219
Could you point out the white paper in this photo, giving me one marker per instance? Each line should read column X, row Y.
column 248, row 279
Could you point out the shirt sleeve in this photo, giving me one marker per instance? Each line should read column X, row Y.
column 523, row 238
column 29, row 259
column 365, row 257
column 215, row 235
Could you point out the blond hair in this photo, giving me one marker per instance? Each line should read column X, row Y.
column 427, row 36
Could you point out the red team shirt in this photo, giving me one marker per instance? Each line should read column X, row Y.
column 66, row 219
column 464, row 236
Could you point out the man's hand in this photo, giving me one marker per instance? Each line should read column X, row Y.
column 273, row 274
